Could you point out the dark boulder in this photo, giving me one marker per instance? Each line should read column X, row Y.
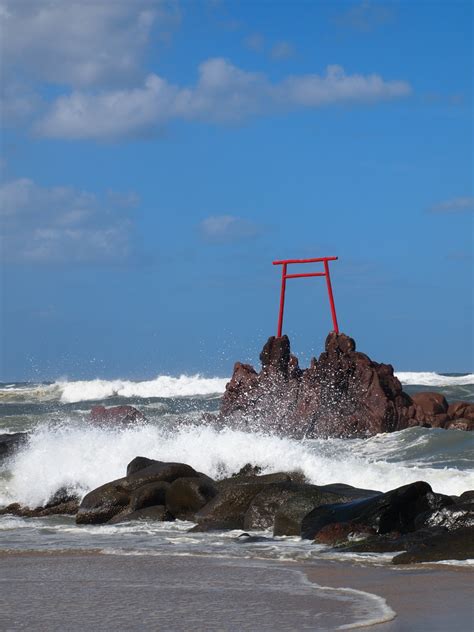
column 140, row 463
column 103, row 503
column 227, row 510
column 393, row 542
column 290, row 514
column 158, row 471
column 154, row 513
column 274, row 477
column 452, row 517
column 455, row 545
column 116, row 414
column 186, row 496
column 338, row 532
column 67, row 508
column 149, row 495
column 395, row 510
column 10, row 443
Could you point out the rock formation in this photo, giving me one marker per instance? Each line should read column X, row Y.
column 343, row 393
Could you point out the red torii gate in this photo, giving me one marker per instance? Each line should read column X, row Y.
column 285, row 276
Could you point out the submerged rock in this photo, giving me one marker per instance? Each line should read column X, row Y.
column 344, row 393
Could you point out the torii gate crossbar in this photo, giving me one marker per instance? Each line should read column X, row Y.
column 284, row 276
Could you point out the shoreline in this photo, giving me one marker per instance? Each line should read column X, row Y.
column 97, row 591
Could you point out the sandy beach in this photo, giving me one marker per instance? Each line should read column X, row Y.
column 180, row 593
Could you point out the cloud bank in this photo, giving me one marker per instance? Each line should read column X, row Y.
column 223, row 93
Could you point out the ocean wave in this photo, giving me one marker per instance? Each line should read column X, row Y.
column 82, row 457
column 167, row 386
column 429, row 378
column 69, row 392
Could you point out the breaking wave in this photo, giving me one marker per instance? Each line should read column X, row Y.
column 82, row 457
column 429, row 378
column 167, row 386
column 92, row 390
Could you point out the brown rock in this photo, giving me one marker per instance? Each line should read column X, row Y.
column 116, row 414
column 430, row 404
column 460, row 424
column 343, row 393
column 339, row 532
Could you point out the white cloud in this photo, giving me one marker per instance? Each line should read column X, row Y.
column 79, row 42
column 455, row 205
column 41, row 224
column 223, row 228
column 223, row 93
column 282, row 50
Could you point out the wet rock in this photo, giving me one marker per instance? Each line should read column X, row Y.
column 227, row 509
column 275, row 477
column 246, row 538
column 430, row 404
column 103, row 503
column 267, row 504
column 158, row 471
column 389, row 542
column 248, row 470
column 289, row 516
column 116, row 414
column 343, row 393
column 149, row 495
column 338, row 532
column 64, row 508
column 186, row 496
column 140, row 463
column 455, row 545
column 395, row 510
column 264, row 506
column 460, row 424
column 466, row 497
column 452, row 517
column 61, row 496
column 155, row 513
column 10, row 443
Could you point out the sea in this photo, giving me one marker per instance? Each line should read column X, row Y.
column 66, row 450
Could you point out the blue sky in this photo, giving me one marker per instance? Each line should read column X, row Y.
column 157, row 156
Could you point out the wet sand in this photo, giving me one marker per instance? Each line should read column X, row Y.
column 202, row 594
column 434, row 598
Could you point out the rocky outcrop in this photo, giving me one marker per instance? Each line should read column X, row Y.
column 342, row 393
column 116, row 414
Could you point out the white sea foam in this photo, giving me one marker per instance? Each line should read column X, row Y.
column 169, row 386
column 429, row 378
column 84, row 457
column 161, row 386
column 88, row 390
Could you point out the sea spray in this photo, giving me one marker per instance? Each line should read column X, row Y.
column 81, row 456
